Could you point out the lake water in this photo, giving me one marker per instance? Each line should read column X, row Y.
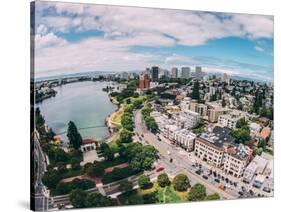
column 84, row 103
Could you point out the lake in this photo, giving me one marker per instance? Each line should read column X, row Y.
column 84, row 103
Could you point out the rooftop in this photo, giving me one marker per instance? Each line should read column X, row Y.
column 89, row 140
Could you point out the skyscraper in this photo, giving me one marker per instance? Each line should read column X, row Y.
column 226, row 78
column 185, row 72
column 174, row 72
column 198, row 72
column 155, row 73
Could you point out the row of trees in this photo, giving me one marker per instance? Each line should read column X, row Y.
column 149, row 121
column 180, row 183
column 139, row 157
column 81, row 199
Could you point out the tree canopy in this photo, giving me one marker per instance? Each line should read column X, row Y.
column 181, row 182
column 163, row 180
column 197, row 193
column 74, row 137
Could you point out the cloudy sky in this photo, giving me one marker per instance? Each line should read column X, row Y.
column 72, row 38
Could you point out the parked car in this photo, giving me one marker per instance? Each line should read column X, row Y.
column 198, row 172
column 159, row 169
column 205, row 177
column 217, row 180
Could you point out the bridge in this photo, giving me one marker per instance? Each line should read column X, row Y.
column 85, row 128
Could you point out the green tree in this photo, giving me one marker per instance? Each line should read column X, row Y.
column 74, row 136
column 262, row 144
column 51, row 178
column 75, row 163
column 61, row 167
column 181, row 182
column 78, row 198
column 95, row 170
column 242, row 135
column 223, row 102
column 97, row 200
column 242, row 123
column 214, row 196
column 108, row 154
column 142, row 157
column 163, row 180
column 39, row 119
column 197, row 193
column 195, row 92
column 125, row 136
column 144, row 182
column 125, row 187
column 63, row 188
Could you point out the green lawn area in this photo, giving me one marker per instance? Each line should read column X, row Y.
column 117, row 118
column 163, row 195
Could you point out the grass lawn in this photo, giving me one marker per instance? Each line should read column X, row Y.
column 169, row 195
column 117, row 118
column 163, row 195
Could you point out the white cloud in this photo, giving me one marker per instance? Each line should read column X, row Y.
column 125, row 28
column 259, row 49
column 187, row 27
column 48, row 40
column 41, row 29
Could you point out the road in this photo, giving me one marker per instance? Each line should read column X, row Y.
column 40, row 195
column 180, row 164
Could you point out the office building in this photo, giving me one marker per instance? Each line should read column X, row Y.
column 155, row 73
column 185, row 72
column 174, row 72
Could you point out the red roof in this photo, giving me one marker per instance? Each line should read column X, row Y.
column 89, row 140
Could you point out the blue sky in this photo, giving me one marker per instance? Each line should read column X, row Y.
column 71, row 38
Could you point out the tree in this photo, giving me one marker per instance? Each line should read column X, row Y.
column 61, row 167
column 75, row 163
column 163, row 180
column 223, row 103
column 181, row 182
column 126, row 136
column 74, row 136
column 214, row 196
column 39, row 119
column 242, row 135
column 82, row 184
column 195, row 92
column 141, row 157
column 144, row 182
column 108, row 154
column 126, row 187
column 97, row 200
column 63, row 188
column 51, row 178
column 95, row 170
column 197, row 193
column 78, row 198
column 262, row 143
column 242, row 123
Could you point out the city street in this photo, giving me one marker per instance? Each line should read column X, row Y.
column 180, row 164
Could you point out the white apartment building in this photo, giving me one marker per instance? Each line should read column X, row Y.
column 169, row 131
column 187, row 119
column 257, row 166
column 185, row 139
column 236, row 159
column 230, row 120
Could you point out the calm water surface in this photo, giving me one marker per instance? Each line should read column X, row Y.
column 84, row 103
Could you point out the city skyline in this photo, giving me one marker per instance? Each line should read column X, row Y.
column 75, row 38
